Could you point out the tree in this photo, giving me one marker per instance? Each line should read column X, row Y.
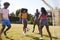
column 29, row 17
column 12, row 14
column 30, row 21
column 17, row 12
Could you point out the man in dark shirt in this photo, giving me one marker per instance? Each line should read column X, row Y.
column 36, row 21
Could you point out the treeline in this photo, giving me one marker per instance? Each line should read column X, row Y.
column 15, row 18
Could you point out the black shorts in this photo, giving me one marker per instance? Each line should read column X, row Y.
column 36, row 22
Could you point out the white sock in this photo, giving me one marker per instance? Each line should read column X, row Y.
column 24, row 33
column 41, row 37
column 27, row 29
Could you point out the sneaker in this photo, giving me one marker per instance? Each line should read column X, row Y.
column 41, row 38
column 39, row 33
column 5, row 33
column 27, row 29
column 24, row 33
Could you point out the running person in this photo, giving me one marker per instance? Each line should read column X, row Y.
column 36, row 21
column 24, row 15
column 44, row 22
column 5, row 18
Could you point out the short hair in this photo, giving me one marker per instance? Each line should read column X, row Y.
column 36, row 9
column 24, row 9
column 6, row 3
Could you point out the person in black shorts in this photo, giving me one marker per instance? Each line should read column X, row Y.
column 36, row 21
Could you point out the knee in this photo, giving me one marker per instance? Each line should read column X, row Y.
column 9, row 26
column 40, row 27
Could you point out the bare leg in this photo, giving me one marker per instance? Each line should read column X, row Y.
column 47, row 28
column 25, row 26
column 3, row 27
column 34, row 27
column 41, row 37
column 41, row 27
column 24, row 29
column 9, row 26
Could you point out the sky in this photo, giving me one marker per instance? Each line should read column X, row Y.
column 31, row 5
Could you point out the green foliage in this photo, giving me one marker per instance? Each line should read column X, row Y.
column 17, row 12
column 50, row 20
column 12, row 14
column 29, row 17
column 13, row 19
column 30, row 21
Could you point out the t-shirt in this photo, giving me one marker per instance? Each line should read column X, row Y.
column 43, row 16
column 37, row 15
column 5, row 13
column 24, row 15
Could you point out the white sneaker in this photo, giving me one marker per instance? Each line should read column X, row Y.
column 27, row 29
column 24, row 33
column 41, row 38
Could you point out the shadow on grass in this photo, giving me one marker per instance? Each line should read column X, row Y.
column 52, row 37
column 48, row 36
column 8, row 38
column 0, row 38
column 35, row 38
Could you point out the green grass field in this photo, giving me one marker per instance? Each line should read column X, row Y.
column 16, row 33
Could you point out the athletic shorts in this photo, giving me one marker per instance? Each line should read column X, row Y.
column 44, row 22
column 5, row 22
column 36, row 22
column 24, row 20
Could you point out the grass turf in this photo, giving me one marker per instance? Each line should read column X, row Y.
column 16, row 33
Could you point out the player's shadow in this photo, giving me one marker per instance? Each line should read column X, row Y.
column 35, row 38
column 52, row 36
column 0, row 38
column 8, row 38
column 48, row 36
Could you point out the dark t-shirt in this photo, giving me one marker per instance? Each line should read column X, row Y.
column 37, row 15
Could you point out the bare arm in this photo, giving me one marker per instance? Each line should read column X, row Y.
column 21, row 16
column 1, row 16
